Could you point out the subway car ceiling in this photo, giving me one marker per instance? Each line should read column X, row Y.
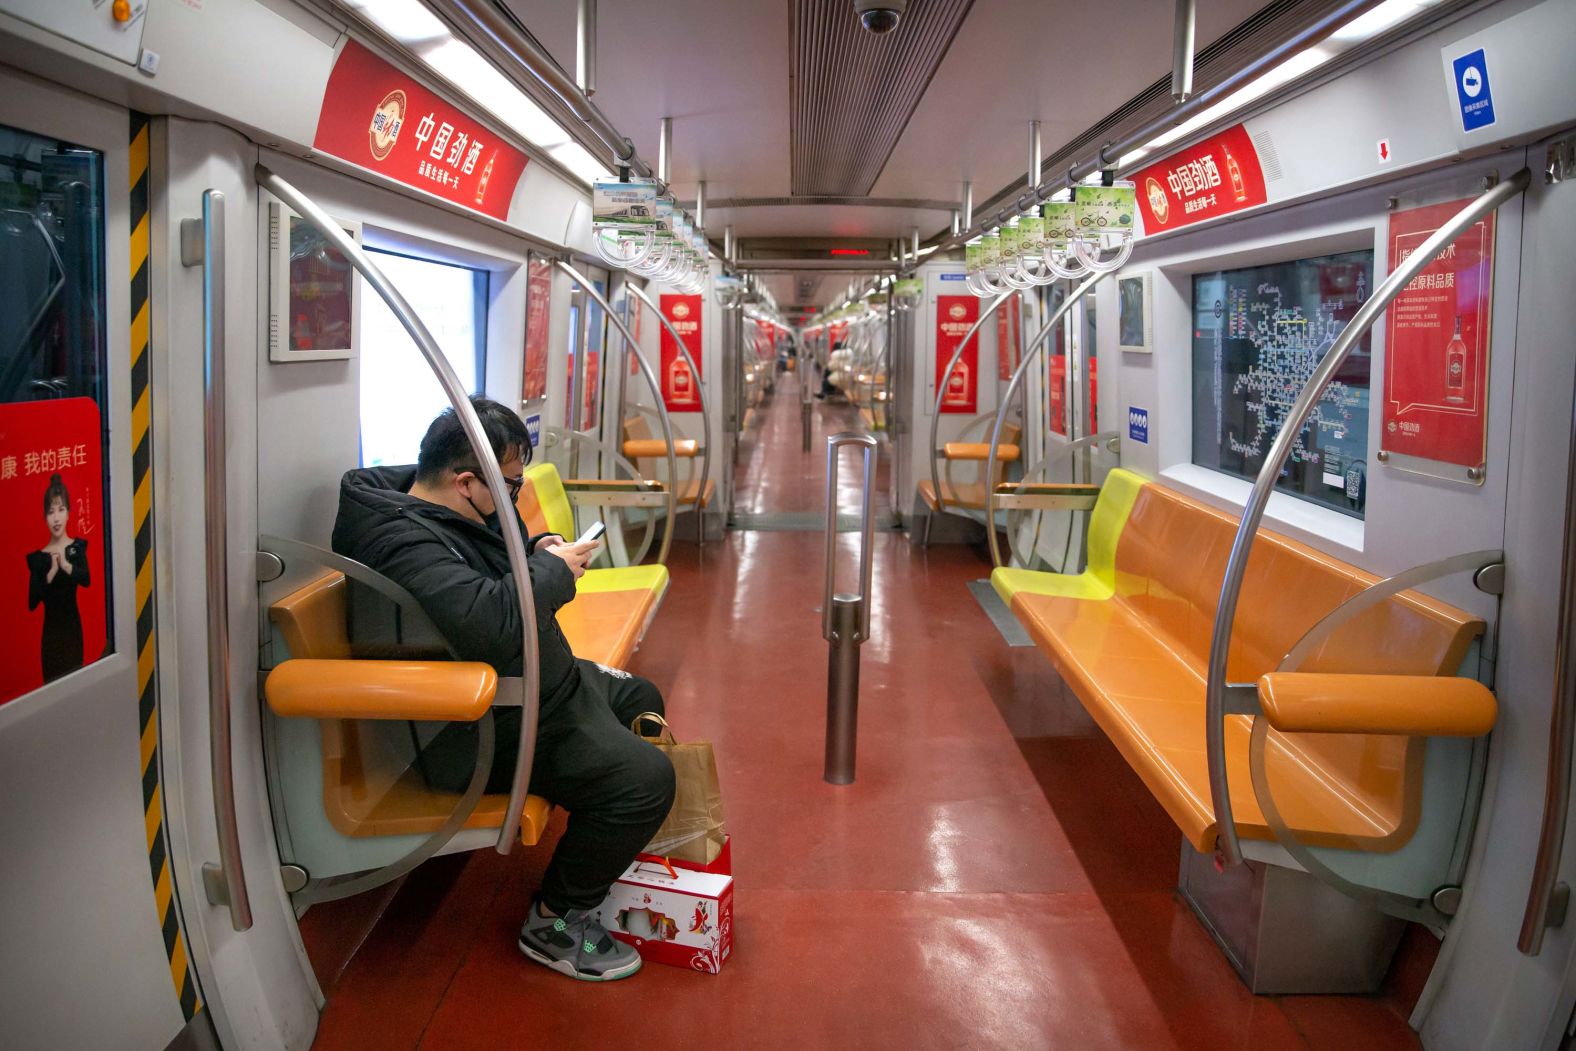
column 1041, row 744
column 761, row 116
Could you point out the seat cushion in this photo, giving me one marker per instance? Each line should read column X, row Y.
column 1338, row 790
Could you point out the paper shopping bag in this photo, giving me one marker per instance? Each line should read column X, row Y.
column 694, row 828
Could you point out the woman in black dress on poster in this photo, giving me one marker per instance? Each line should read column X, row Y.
column 57, row 571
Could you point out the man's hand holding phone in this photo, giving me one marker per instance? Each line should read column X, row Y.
column 578, row 554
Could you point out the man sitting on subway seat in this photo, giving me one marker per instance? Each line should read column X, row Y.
column 433, row 529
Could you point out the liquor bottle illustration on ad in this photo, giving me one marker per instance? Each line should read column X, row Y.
column 1235, row 171
column 680, row 389
column 1456, row 367
column 958, row 385
column 481, row 185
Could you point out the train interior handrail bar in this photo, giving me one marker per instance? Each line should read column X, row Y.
column 941, row 393
column 700, row 391
column 1229, row 847
column 492, row 474
column 1030, row 353
column 656, row 392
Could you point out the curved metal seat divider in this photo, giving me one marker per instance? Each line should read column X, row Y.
column 332, row 889
column 1479, row 563
column 942, row 496
column 554, row 435
column 1026, row 494
column 705, row 417
column 514, row 543
column 656, row 391
column 1222, row 698
column 1031, row 352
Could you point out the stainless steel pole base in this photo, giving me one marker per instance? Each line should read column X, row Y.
column 842, row 690
column 804, row 423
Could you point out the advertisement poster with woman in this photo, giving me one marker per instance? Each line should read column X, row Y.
column 53, row 590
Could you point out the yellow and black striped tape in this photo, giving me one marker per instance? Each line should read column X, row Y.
column 142, row 514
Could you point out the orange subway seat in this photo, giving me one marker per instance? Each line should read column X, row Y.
column 1137, row 661
column 365, row 792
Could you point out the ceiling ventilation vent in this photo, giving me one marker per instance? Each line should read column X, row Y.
column 853, row 92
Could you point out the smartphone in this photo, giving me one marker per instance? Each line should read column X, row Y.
column 592, row 534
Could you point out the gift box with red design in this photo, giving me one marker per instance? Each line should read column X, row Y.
column 682, row 917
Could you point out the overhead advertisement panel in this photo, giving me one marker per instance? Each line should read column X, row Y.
column 1212, row 178
column 378, row 118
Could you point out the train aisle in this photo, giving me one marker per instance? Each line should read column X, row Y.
column 997, row 877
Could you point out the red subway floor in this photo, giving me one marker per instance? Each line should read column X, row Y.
column 996, row 877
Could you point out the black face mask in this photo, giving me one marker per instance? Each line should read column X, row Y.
column 491, row 521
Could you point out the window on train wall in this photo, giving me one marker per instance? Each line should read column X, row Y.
column 399, row 394
column 55, row 601
column 1258, row 334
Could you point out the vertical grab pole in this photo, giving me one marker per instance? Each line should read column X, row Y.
column 202, row 244
column 845, row 619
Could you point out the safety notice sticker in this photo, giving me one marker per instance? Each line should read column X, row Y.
column 1473, row 93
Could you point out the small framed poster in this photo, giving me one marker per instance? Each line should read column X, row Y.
column 312, row 290
column 1135, row 319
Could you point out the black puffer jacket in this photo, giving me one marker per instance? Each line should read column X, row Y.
column 459, row 571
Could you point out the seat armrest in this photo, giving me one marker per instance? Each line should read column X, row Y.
column 651, row 448
column 1047, row 496
column 615, row 492
column 1415, row 705
column 1005, row 452
column 448, row 691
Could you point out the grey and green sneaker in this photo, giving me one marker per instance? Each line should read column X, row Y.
column 576, row 945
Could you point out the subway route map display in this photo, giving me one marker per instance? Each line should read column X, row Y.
column 1258, row 334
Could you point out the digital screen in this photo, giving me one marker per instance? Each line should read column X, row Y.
column 321, row 280
column 1258, row 334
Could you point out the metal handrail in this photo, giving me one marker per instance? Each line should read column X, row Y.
column 941, row 393
column 845, row 619
column 1378, row 592
column 1229, row 848
column 656, row 392
column 705, row 413
column 834, row 443
column 492, row 474
column 343, row 887
column 1562, row 720
column 1112, row 441
column 205, row 246
column 1031, row 349
column 505, row 35
column 556, row 434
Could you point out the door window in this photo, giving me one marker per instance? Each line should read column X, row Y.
column 54, row 556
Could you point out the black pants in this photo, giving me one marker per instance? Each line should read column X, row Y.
column 617, row 788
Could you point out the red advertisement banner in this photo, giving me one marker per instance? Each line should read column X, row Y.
column 680, row 387
column 954, row 317
column 53, row 591
column 1058, row 393
column 1437, row 342
column 1215, row 177
column 377, row 117
column 1008, row 321
column 538, row 304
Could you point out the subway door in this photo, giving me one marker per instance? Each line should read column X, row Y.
column 92, row 952
column 259, row 984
